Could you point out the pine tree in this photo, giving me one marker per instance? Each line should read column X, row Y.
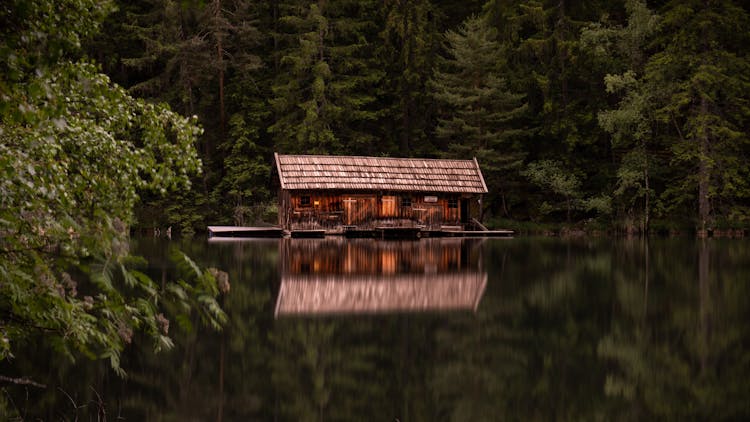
column 245, row 151
column 410, row 42
column 564, row 88
column 322, row 94
column 172, row 56
column 479, row 115
column 701, row 76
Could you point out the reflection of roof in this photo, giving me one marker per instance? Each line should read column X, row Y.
column 339, row 294
column 378, row 173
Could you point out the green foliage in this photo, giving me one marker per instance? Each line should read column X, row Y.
column 410, row 38
column 75, row 152
column 553, row 178
column 322, row 93
column 632, row 125
column 479, row 116
column 306, row 115
column 699, row 72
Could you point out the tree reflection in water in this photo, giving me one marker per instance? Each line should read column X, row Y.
column 562, row 329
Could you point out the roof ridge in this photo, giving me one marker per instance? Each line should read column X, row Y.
column 374, row 157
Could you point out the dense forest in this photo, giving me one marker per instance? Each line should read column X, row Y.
column 618, row 115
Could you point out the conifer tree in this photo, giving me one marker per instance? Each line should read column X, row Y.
column 245, row 151
column 479, row 115
column 701, row 76
column 410, row 42
column 322, row 94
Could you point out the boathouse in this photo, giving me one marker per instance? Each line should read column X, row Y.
column 345, row 192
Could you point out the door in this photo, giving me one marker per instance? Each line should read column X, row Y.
column 350, row 209
column 465, row 211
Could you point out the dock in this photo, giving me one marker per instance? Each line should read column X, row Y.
column 381, row 232
column 242, row 231
column 308, row 234
column 395, row 232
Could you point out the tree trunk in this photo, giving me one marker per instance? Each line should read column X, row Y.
column 220, row 61
column 704, row 171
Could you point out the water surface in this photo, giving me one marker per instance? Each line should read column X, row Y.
column 453, row 329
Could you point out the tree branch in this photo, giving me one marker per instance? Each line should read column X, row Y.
column 22, row 381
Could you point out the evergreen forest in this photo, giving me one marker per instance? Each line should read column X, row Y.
column 625, row 115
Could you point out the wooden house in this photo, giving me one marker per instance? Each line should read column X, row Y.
column 338, row 192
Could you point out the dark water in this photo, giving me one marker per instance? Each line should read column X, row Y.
column 467, row 330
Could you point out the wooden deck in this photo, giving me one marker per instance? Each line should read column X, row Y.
column 419, row 232
column 384, row 232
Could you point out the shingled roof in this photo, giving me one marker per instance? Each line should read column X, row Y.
column 320, row 172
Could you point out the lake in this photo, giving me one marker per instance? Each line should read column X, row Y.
column 435, row 329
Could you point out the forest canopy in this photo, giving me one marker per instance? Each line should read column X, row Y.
column 643, row 104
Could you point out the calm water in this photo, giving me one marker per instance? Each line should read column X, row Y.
column 467, row 330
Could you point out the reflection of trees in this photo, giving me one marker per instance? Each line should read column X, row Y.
column 583, row 330
column 209, row 375
column 566, row 330
column 327, row 370
column 684, row 357
column 529, row 352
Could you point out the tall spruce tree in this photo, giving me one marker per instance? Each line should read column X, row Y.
column 701, row 76
column 410, row 44
column 322, row 94
column 303, row 112
column 245, row 151
column 479, row 115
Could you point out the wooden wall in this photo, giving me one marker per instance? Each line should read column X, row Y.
column 331, row 209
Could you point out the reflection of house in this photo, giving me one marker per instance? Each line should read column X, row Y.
column 320, row 294
column 337, row 191
column 336, row 276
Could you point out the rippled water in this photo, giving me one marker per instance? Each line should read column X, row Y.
column 437, row 329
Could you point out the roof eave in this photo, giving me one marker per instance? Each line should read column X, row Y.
column 278, row 170
column 481, row 176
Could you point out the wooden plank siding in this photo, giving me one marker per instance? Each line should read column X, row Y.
column 334, row 192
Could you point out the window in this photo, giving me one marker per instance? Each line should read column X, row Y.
column 453, row 203
column 304, row 201
column 406, row 201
